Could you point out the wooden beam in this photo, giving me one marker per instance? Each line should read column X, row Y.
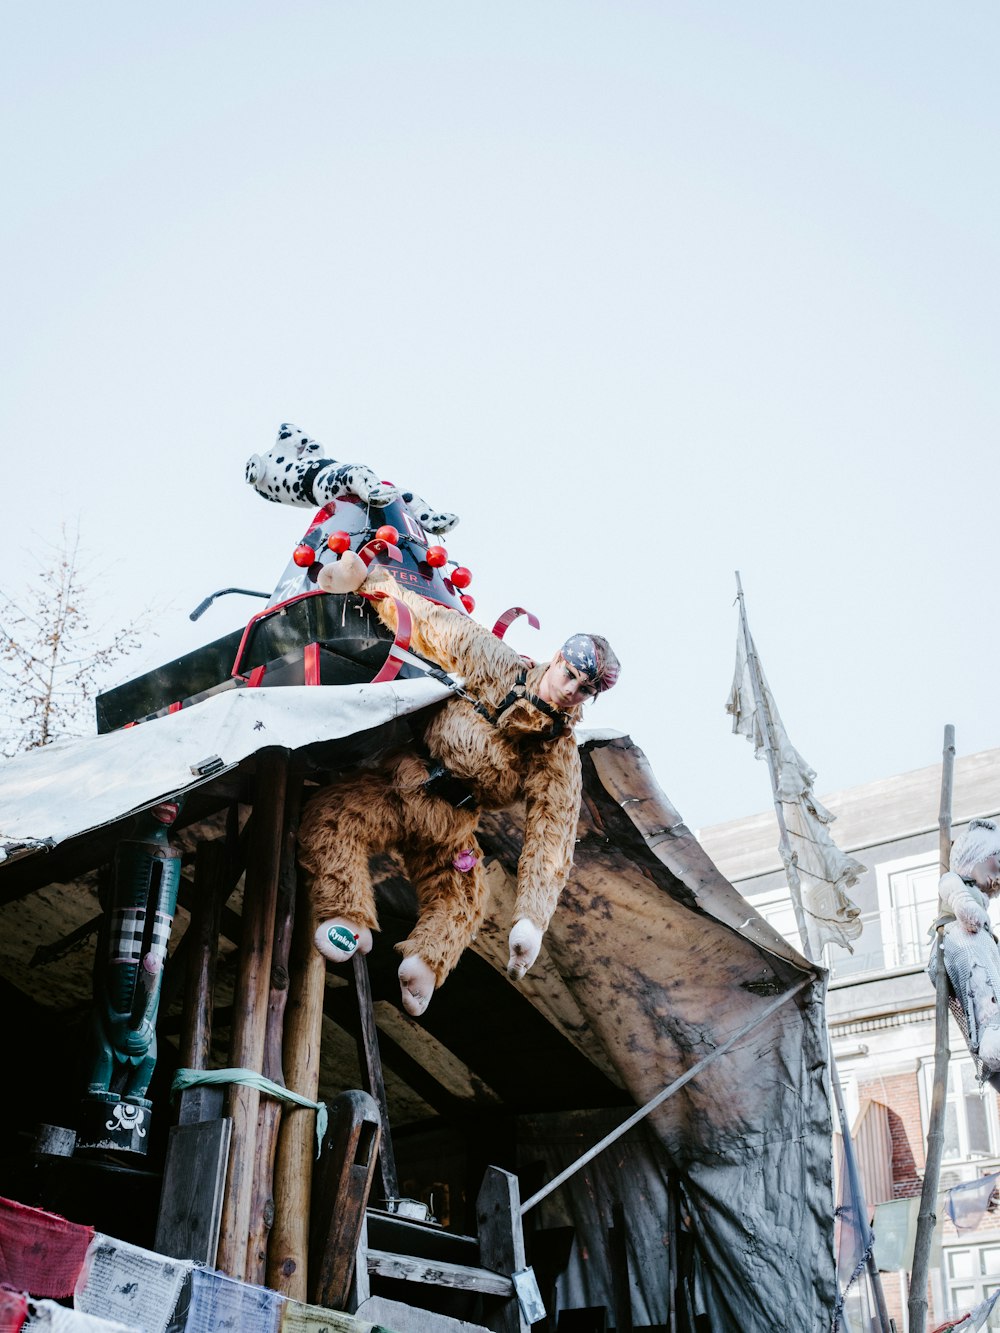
column 203, row 933
column 343, row 1182
column 370, row 1059
column 251, row 1000
column 287, row 1259
column 269, row 1112
column 340, row 1006
column 501, row 1243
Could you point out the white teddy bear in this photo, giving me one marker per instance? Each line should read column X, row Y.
column 297, row 471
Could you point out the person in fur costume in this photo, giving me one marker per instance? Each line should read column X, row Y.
column 971, row 956
column 509, row 734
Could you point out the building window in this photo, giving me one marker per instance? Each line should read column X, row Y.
column 908, row 904
column 971, row 1122
column 971, row 1273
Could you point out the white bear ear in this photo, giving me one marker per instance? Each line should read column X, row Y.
column 347, row 575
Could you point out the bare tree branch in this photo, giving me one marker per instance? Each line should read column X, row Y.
column 51, row 659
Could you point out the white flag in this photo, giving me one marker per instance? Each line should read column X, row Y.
column 824, row 870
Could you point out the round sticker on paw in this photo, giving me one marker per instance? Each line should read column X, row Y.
column 343, row 939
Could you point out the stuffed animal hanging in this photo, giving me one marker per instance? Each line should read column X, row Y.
column 298, row 472
column 506, row 734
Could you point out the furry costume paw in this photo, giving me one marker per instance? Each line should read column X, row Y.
column 431, row 520
column 416, row 984
column 971, row 915
column 339, row 939
column 346, row 575
column 525, row 941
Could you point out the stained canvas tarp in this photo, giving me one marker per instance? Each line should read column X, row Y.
column 652, row 961
column 660, row 960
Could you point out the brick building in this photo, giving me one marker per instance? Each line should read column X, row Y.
column 880, row 1006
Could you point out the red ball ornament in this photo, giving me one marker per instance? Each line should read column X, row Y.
column 461, row 577
column 468, row 602
column 304, row 555
column 436, row 556
column 387, row 533
column 339, row 541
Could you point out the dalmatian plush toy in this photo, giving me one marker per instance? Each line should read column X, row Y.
column 298, row 472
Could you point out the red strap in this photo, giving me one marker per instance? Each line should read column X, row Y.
column 404, row 628
column 508, row 618
column 370, row 550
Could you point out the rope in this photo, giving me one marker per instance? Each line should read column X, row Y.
column 191, row 1078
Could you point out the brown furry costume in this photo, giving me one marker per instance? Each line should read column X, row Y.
column 346, row 823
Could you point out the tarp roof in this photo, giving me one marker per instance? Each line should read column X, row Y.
column 651, row 962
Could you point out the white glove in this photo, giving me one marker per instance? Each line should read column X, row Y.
column 971, row 915
column 525, row 941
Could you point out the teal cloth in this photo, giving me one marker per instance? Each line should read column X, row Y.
column 190, row 1078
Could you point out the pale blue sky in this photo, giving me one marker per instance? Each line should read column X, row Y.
column 646, row 292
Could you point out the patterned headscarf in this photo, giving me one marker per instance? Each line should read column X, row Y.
column 593, row 656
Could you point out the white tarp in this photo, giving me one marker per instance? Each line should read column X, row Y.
column 825, row 871
column 56, row 792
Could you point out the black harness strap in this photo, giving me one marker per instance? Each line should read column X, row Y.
column 518, row 693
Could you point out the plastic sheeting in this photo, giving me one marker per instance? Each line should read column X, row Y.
column 663, row 962
column 51, row 794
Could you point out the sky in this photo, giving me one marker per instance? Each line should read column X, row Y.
column 648, row 293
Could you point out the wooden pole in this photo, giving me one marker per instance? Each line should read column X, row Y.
column 250, row 1002
column 927, row 1216
column 287, row 1269
column 203, row 931
column 270, row 1111
column 370, row 1059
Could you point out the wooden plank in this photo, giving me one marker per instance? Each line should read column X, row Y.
column 270, row 1111
column 343, row 1182
column 250, row 1004
column 501, row 1244
column 618, row 1249
column 370, row 1060
column 199, row 981
column 191, row 1198
column 407, row 1319
column 287, row 1256
column 440, row 1274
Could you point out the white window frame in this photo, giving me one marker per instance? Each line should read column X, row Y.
column 883, row 874
column 983, row 1284
column 965, row 1157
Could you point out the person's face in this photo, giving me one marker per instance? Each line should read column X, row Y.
column 986, row 874
column 563, row 686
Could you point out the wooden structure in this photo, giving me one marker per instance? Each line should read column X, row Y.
column 579, row 1042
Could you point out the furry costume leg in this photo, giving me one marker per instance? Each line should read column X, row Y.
column 452, row 905
column 342, row 826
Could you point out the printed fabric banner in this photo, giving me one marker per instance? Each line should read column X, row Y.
column 13, row 1308
column 47, row 1317
column 895, row 1228
column 220, row 1304
column 299, row 1318
column 40, row 1253
column 136, row 1287
column 969, row 1202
